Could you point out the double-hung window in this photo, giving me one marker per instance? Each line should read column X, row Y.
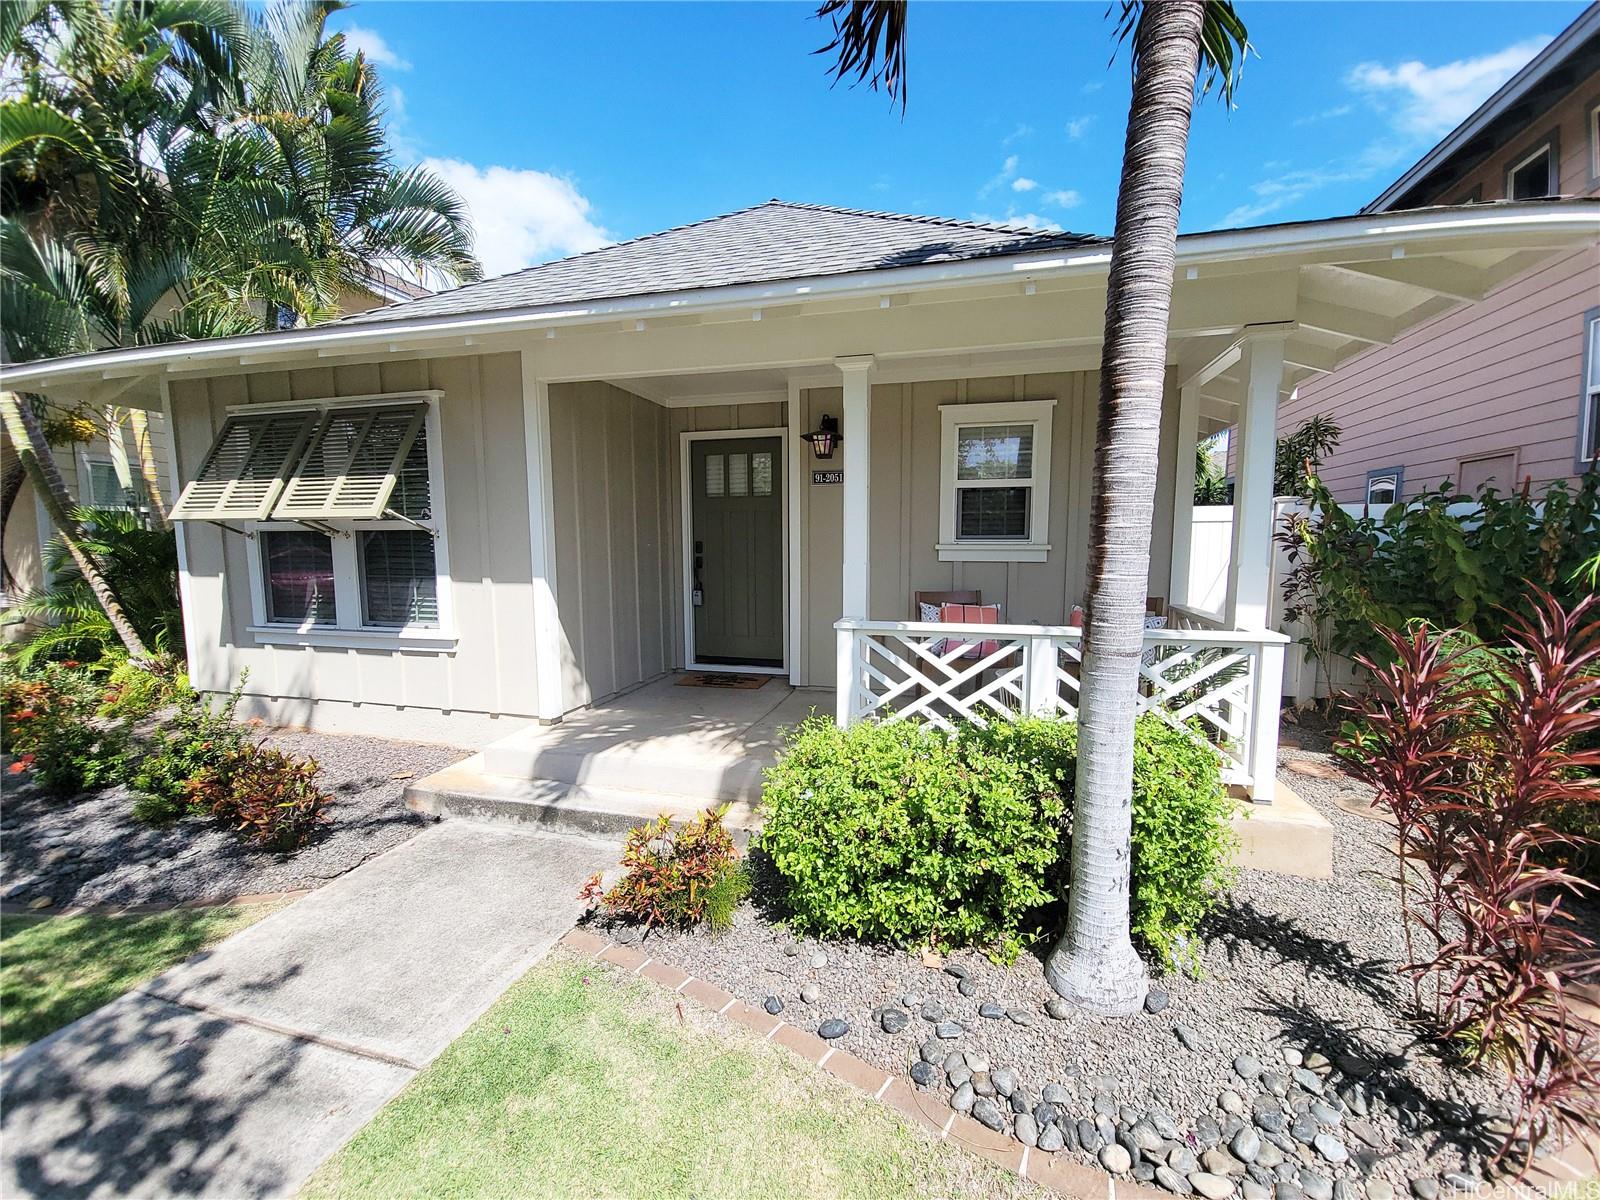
column 1589, row 405
column 102, row 486
column 340, row 503
column 994, row 481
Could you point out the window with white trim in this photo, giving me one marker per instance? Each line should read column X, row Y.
column 1594, row 142
column 1589, row 416
column 1383, row 485
column 994, row 481
column 102, row 486
column 350, row 545
column 1533, row 175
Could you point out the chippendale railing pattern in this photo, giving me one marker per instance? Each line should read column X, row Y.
column 1202, row 681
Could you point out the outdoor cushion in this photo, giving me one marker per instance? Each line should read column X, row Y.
column 970, row 614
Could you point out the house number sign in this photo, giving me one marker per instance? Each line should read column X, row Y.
column 827, row 477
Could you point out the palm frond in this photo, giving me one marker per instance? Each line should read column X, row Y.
column 869, row 42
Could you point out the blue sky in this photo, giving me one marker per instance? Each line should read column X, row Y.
column 570, row 125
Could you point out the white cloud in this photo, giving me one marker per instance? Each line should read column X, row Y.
column 1285, row 188
column 1008, row 172
column 1024, row 184
column 521, row 216
column 1434, row 100
column 1327, row 114
column 373, row 44
column 1033, row 221
column 1017, row 134
column 1079, row 126
column 1065, row 198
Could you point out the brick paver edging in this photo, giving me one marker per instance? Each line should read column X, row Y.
column 1554, row 1175
column 1057, row 1172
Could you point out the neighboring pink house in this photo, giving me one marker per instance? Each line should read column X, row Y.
column 1508, row 388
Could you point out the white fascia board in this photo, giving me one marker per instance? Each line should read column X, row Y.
column 1561, row 219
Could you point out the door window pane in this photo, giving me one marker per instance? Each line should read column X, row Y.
column 738, row 474
column 714, row 469
column 761, row 474
column 398, row 584
column 298, row 567
column 994, row 452
column 992, row 512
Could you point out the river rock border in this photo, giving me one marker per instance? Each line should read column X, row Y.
column 1557, row 1174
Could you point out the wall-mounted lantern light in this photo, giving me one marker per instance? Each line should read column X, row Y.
column 824, row 437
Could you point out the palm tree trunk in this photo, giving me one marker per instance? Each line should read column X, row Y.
column 1095, row 964
column 27, row 438
column 10, row 487
column 140, row 424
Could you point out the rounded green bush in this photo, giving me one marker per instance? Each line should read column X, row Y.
column 900, row 833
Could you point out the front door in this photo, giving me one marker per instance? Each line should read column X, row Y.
column 736, row 540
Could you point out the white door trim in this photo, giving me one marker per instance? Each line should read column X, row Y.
column 686, row 525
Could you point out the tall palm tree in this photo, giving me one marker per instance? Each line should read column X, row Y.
column 1095, row 964
column 177, row 169
column 21, row 424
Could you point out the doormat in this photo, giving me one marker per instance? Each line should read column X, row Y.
column 722, row 679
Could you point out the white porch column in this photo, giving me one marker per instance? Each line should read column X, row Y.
column 856, row 429
column 1250, row 567
column 542, row 542
column 1183, row 492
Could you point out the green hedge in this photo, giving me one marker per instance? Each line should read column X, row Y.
column 901, row 834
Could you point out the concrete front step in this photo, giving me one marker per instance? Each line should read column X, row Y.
column 1288, row 836
column 468, row 789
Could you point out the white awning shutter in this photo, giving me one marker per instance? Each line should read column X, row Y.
column 245, row 469
column 349, row 470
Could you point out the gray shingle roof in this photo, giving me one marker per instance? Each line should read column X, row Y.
column 772, row 241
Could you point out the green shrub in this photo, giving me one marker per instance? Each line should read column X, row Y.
column 897, row 833
column 195, row 739
column 266, row 796
column 137, row 690
column 680, row 878
column 901, row 834
column 1183, row 841
column 47, row 719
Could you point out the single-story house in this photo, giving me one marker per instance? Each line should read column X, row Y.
column 754, row 444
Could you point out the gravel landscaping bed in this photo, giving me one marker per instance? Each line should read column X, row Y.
column 92, row 851
column 1290, row 1069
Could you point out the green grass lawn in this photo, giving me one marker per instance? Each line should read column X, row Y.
column 582, row 1082
column 53, row 970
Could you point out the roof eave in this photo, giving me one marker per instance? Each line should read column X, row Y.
column 1570, row 218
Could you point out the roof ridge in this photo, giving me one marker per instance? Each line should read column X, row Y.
column 1016, row 231
column 643, row 237
column 923, row 218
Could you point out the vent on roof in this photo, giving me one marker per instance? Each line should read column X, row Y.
column 244, row 471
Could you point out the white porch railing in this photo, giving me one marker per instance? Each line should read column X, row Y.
column 1205, row 682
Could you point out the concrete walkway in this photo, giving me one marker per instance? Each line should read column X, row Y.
column 236, row 1073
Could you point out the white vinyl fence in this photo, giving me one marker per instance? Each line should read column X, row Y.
column 1210, row 552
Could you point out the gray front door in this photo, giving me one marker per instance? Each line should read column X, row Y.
column 736, row 532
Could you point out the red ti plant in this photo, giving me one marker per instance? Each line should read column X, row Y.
column 1476, row 765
